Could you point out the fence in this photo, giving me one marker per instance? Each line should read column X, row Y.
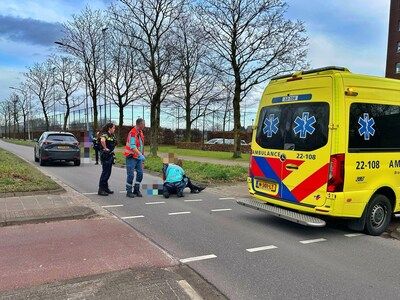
column 171, row 117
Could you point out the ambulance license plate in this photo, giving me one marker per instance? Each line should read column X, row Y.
column 266, row 186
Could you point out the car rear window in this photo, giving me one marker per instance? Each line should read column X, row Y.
column 61, row 138
column 295, row 126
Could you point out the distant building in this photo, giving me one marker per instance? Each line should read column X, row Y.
column 393, row 50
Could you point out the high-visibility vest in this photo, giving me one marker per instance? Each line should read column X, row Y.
column 139, row 141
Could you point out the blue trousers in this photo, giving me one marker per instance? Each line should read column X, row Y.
column 107, row 163
column 132, row 165
column 176, row 187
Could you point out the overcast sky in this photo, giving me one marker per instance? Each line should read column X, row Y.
column 350, row 33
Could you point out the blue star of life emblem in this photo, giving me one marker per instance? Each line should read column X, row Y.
column 366, row 126
column 271, row 125
column 304, row 125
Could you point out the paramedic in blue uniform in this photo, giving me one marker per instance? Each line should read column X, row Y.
column 175, row 180
column 107, row 141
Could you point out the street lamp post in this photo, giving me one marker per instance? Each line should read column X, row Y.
column 105, row 74
column 87, row 140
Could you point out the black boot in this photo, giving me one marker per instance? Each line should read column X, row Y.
column 136, row 190
column 166, row 194
column 108, row 191
column 130, row 194
column 102, row 192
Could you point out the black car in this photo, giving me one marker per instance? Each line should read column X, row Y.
column 57, row 146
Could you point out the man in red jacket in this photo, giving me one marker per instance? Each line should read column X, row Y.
column 134, row 156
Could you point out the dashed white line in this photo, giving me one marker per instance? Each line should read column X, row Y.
column 110, row 206
column 193, row 200
column 189, row 290
column 270, row 247
column 354, row 234
column 197, row 258
column 132, row 217
column 227, row 198
column 221, row 209
column 313, row 241
column 397, row 215
column 179, row 213
column 122, row 192
column 152, row 203
column 94, row 193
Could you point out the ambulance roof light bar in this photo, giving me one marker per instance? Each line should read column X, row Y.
column 298, row 73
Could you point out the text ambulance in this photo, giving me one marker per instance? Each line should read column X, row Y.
column 327, row 142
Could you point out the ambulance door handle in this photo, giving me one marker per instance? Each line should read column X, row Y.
column 291, row 167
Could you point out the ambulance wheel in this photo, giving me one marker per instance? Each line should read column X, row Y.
column 77, row 162
column 379, row 212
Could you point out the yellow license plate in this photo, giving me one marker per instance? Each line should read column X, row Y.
column 63, row 147
column 266, row 187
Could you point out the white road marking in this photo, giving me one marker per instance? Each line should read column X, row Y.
column 151, row 203
column 110, row 206
column 189, row 290
column 179, row 213
column 227, row 198
column 132, row 217
column 312, row 241
column 397, row 215
column 221, row 209
column 122, row 192
column 197, row 258
column 94, row 193
column 194, row 200
column 354, row 234
column 270, row 247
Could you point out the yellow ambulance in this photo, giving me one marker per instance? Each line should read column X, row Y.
column 326, row 143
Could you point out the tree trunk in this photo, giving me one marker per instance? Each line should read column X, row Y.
column 155, row 121
column 24, row 126
column 66, row 119
column 67, row 112
column 120, row 124
column 95, row 112
column 236, row 123
column 188, row 132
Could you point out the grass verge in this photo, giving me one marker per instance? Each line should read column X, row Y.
column 200, row 153
column 197, row 171
column 16, row 175
column 20, row 142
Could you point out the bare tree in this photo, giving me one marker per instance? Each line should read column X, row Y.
column 39, row 80
column 150, row 23
column 6, row 113
column 68, row 80
column 23, row 108
column 123, row 83
column 255, row 43
column 197, row 85
column 83, row 38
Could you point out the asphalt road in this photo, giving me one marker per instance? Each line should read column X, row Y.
column 221, row 240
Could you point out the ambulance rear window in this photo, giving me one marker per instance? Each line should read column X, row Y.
column 295, row 126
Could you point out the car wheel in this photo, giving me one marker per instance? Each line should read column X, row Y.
column 77, row 162
column 379, row 212
column 41, row 161
column 34, row 155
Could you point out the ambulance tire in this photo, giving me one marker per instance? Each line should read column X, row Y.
column 378, row 215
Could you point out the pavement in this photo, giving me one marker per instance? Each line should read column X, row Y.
column 243, row 253
column 63, row 245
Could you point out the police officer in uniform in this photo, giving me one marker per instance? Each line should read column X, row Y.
column 107, row 141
